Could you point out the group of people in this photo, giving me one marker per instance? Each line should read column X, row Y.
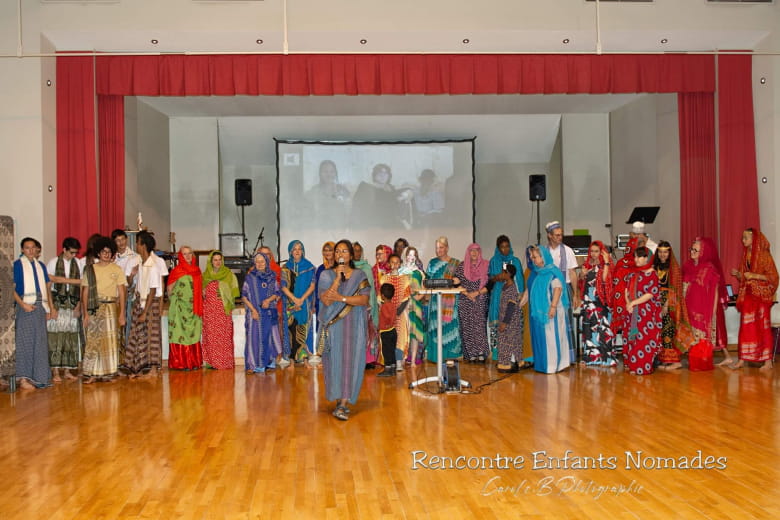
column 662, row 309
column 103, row 312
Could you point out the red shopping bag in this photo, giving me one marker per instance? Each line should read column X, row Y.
column 700, row 356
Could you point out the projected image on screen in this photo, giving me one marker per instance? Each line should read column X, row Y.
column 375, row 192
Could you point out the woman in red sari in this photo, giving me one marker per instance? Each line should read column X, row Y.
column 706, row 296
column 643, row 303
column 758, row 279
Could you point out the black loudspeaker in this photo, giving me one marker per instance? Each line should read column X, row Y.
column 537, row 187
column 451, row 373
column 243, row 192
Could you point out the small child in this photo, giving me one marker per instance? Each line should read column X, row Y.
column 510, row 328
column 387, row 333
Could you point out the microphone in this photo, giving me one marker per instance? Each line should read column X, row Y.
column 343, row 278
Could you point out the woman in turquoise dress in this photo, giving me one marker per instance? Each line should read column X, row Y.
column 443, row 266
column 298, row 296
column 548, row 301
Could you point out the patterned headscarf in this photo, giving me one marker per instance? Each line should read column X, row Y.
column 183, row 268
column 478, row 271
column 228, row 284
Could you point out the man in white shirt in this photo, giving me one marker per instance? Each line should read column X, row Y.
column 65, row 272
column 129, row 261
column 563, row 257
column 638, row 231
column 126, row 258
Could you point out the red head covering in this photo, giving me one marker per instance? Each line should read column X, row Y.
column 381, row 267
column 602, row 287
column 184, row 269
column 757, row 259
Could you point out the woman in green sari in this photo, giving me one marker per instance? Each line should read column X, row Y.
column 185, row 290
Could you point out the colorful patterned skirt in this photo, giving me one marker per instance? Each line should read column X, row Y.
column 101, row 353
column 144, row 350
column 64, row 340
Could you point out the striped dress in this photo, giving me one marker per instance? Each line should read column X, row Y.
column 450, row 330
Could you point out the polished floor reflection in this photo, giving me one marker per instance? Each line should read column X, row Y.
column 586, row 443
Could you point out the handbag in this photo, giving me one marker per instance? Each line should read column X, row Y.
column 700, row 356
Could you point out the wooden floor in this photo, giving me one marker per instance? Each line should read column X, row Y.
column 208, row 444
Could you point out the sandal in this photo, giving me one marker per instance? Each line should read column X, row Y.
column 341, row 413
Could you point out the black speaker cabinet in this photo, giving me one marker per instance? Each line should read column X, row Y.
column 243, row 192
column 537, row 187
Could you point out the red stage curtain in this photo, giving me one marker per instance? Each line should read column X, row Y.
column 325, row 75
column 737, row 144
column 77, row 201
column 111, row 149
column 698, row 177
column 328, row 75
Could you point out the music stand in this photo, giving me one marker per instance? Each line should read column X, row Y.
column 439, row 361
column 644, row 214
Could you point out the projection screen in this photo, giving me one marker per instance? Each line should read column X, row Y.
column 375, row 192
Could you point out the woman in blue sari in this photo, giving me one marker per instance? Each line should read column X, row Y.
column 260, row 293
column 502, row 257
column 298, row 293
column 548, row 301
column 344, row 294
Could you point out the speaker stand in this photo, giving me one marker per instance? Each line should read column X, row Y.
column 439, row 377
column 538, row 224
column 243, row 233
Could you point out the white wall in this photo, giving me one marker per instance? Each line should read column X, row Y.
column 147, row 175
column 645, row 165
column 586, row 177
column 21, row 170
column 194, row 182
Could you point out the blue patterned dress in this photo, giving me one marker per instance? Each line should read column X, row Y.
column 263, row 342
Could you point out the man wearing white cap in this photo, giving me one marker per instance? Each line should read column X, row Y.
column 638, row 230
column 564, row 258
